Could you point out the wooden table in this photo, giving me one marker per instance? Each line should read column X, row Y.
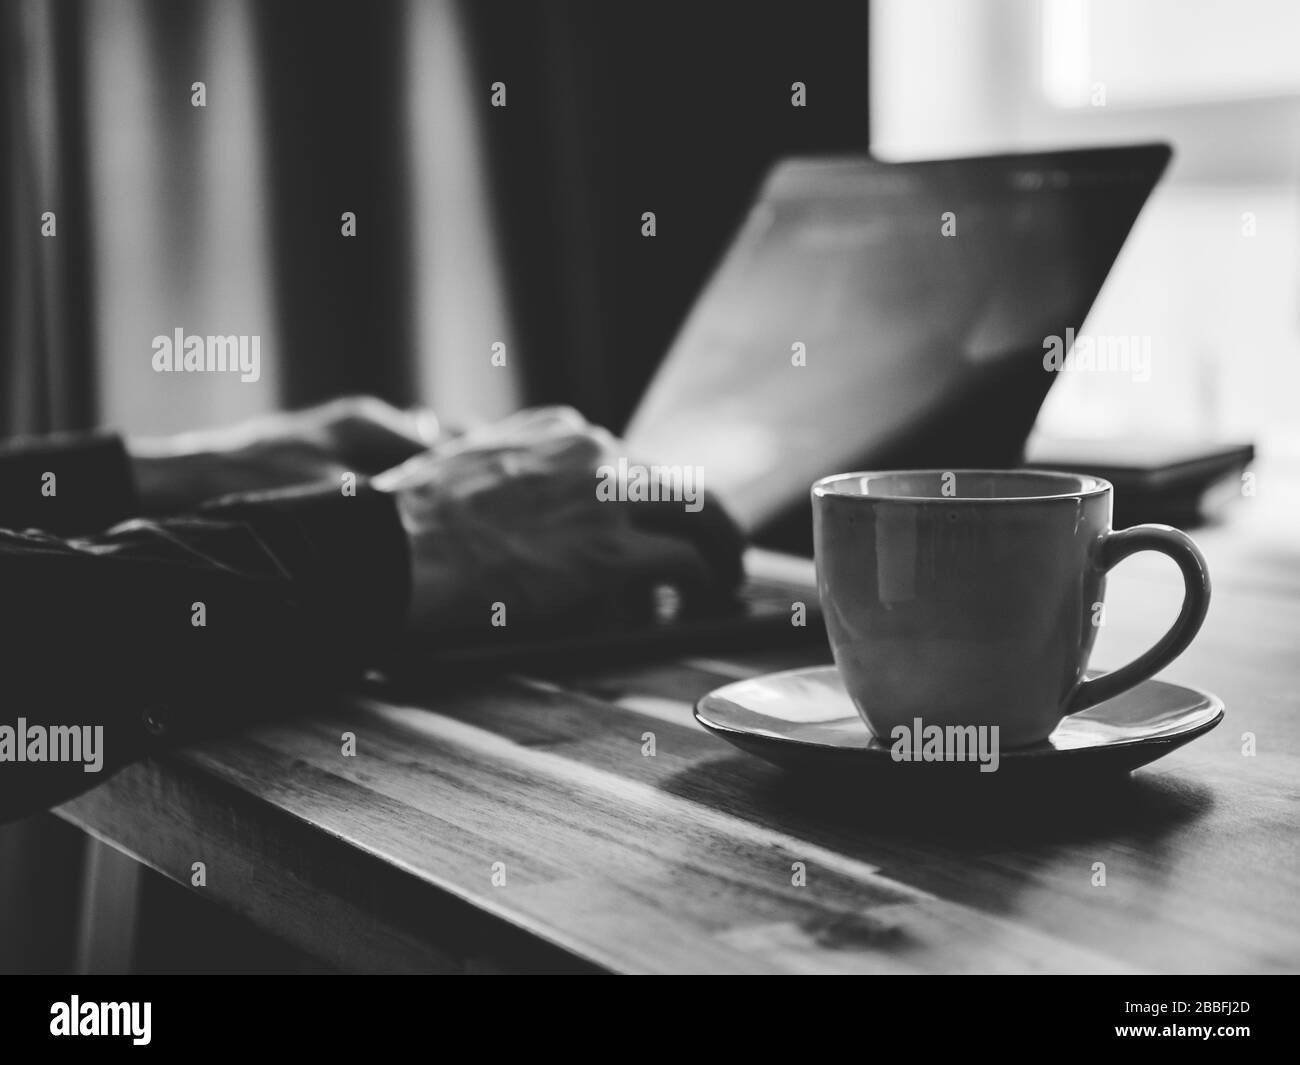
column 519, row 822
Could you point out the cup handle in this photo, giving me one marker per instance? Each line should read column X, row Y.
column 1114, row 548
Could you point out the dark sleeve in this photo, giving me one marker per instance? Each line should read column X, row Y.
column 161, row 631
column 65, row 484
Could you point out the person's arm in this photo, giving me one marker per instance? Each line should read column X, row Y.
column 160, row 631
column 71, row 484
column 66, row 484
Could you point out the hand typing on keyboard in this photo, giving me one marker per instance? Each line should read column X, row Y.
column 508, row 526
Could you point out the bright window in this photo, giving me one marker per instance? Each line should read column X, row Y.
column 1211, row 272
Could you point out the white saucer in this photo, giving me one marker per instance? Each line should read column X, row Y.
column 803, row 719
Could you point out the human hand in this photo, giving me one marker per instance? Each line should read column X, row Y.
column 352, row 434
column 506, row 527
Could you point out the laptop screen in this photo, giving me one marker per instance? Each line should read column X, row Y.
column 873, row 315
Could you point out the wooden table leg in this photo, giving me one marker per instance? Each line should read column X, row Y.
column 110, row 896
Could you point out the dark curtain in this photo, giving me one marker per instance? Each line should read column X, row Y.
column 333, row 90
column 46, row 337
column 613, row 109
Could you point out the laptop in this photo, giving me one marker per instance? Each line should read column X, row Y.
column 867, row 315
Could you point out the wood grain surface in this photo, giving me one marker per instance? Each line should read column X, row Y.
column 517, row 822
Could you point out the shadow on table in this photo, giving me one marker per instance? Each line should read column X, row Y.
column 963, row 816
